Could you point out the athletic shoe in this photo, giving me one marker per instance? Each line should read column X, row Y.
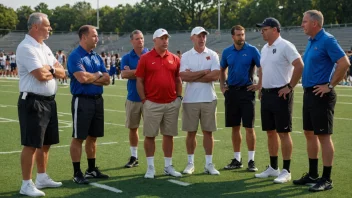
column 29, row 189
column 150, row 172
column 269, row 172
column 47, row 182
column 251, row 166
column 79, row 178
column 210, row 169
column 132, row 163
column 170, row 170
column 234, row 165
column 189, row 168
column 306, row 179
column 95, row 173
column 284, row 177
column 321, row 185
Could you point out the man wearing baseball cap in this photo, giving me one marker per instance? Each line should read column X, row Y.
column 159, row 87
column 282, row 68
column 200, row 68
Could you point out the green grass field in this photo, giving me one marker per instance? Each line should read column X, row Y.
column 113, row 153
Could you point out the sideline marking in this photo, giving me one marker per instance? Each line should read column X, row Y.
column 103, row 186
column 179, row 182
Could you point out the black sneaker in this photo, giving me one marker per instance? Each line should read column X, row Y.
column 234, row 165
column 321, row 185
column 132, row 163
column 306, row 179
column 251, row 166
column 95, row 173
column 79, row 179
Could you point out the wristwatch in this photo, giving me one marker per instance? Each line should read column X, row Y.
column 289, row 86
column 100, row 74
column 52, row 70
column 180, row 97
column 330, row 86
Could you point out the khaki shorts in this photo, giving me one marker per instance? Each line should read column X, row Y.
column 203, row 111
column 163, row 116
column 133, row 114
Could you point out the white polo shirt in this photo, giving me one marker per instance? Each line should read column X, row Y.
column 194, row 61
column 12, row 58
column 276, row 61
column 31, row 55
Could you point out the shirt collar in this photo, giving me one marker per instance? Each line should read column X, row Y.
column 133, row 53
column 318, row 35
column 277, row 41
column 206, row 50
column 33, row 41
column 82, row 51
column 154, row 53
column 245, row 45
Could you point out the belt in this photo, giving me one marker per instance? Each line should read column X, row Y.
column 39, row 97
column 88, row 96
column 238, row 87
column 308, row 89
column 272, row 90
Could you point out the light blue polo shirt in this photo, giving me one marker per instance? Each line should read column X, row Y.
column 239, row 63
column 81, row 60
column 131, row 59
column 322, row 52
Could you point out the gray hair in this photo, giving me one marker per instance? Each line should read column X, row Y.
column 316, row 15
column 35, row 18
column 135, row 32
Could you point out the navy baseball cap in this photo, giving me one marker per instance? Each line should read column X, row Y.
column 270, row 22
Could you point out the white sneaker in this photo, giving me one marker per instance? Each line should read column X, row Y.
column 47, row 182
column 210, row 169
column 170, row 170
column 189, row 168
column 29, row 189
column 284, row 177
column 269, row 172
column 150, row 172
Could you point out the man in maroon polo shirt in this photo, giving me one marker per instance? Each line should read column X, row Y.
column 159, row 87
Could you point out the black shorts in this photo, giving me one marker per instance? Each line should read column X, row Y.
column 239, row 105
column 276, row 112
column 13, row 66
column 87, row 116
column 38, row 120
column 318, row 112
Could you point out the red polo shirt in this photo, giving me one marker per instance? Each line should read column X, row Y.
column 159, row 74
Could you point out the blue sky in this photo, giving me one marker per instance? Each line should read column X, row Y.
column 53, row 3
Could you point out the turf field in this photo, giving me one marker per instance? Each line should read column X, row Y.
column 113, row 153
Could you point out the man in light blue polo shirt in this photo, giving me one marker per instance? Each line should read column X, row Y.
column 240, row 59
column 133, row 104
column 323, row 55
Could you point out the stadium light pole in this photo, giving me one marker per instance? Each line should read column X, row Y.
column 97, row 14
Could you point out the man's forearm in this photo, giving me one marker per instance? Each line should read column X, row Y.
column 340, row 71
column 104, row 80
column 189, row 76
column 260, row 76
column 140, row 88
column 128, row 74
column 212, row 76
column 178, row 86
column 222, row 77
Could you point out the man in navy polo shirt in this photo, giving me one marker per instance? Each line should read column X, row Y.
column 240, row 59
column 88, row 75
column 133, row 104
column 321, row 55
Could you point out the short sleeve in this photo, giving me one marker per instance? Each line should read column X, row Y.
column 291, row 53
column 256, row 56
column 28, row 58
column 178, row 62
column 223, row 62
column 74, row 63
column 215, row 64
column 334, row 49
column 124, row 62
column 183, row 64
column 140, row 72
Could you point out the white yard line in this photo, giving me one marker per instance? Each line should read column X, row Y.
column 106, row 187
column 179, row 182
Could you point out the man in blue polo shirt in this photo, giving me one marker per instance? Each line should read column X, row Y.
column 321, row 55
column 88, row 75
column 240, row 59
column 134, row 104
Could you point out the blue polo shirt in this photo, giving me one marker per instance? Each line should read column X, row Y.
column 239, row 63
column 131, row 59
column 322, row 52
column 81, row 60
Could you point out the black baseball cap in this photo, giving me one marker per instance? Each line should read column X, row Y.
column 270, row 22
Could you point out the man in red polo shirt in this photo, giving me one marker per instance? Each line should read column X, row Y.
column 159, row 87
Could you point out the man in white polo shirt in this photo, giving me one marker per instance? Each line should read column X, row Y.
column 38, row 70
column 282, row 68
column 200, row 67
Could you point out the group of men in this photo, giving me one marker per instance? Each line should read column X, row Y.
column 8, row 66
column 155, row 91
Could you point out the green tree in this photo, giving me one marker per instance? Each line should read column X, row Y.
column 63, row 18
column 43, row 8
column 22, row 14
column 8, row 18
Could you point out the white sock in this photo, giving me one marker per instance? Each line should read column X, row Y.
column 208, row 159
column 150, row 161
column 251, row 155
column 168, row 161
column 191, row 158
column 134, row 151
column 41, row 176
column 237, row 155
column 24, row 182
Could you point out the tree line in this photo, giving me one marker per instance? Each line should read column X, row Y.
column 149, row 15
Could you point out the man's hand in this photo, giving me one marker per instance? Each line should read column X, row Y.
column 126, row 67
column 223, row 89
column 321, row 89
column 254, row 87
column 284, row 91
